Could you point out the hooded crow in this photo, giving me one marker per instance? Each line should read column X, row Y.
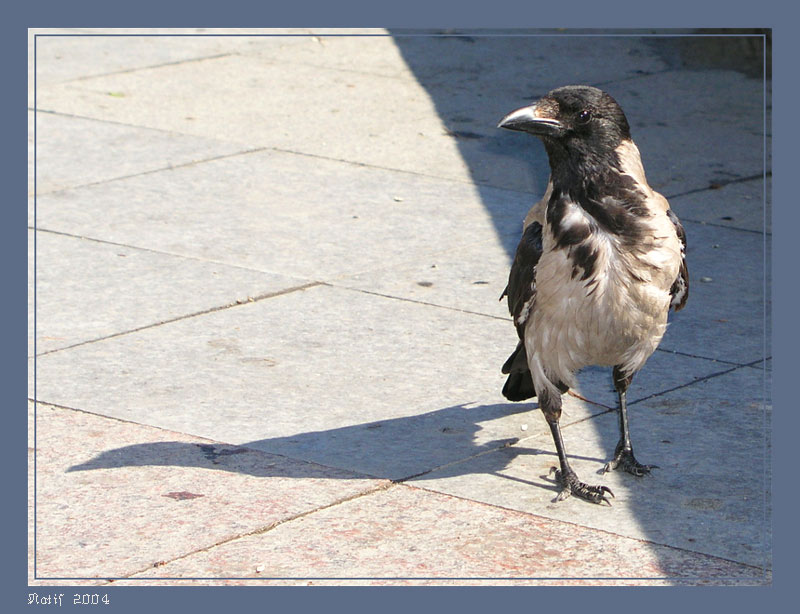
column 600, row 263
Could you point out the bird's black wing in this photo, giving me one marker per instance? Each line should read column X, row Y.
column 521, row 280
column 680, row 288
column 521, row 290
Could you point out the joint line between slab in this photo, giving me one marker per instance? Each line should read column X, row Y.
column 171, row 167
column 191, row 315
column 477, row 184
column 598, row 530
column 508, row 319
column 415, row 301
column 154, row 251
column 270, row 527
column 697, row 381
column 275, row 149
column 712, row 359
column 763, row 176
column 38, row 402
column 125, row 71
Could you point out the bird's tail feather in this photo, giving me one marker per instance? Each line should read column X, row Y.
column 518, row 361
column 519, row 385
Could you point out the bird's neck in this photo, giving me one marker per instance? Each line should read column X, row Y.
column 598, row 183
column 580, row 172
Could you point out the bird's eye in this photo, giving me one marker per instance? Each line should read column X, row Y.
column 585, row 116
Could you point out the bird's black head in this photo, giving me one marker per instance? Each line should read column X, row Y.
column 577, row 122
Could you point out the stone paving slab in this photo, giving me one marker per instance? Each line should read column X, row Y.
column 684, row 144
column 273, row 375
column 381, row 235
column 72, row 151
column 727, row 294
column 735, row 205
column 470, row 61
column 410, row 445
column 410, row 533
column 724, row 318
column 447, row 83
column 140, row 509
column 710, row 494
column 88, row 290
column 474, row 81
column 414, row 139
column 205, row 100
column 284, row 213
column 389, row 388
column 371, row 52
column 276, row 359
column 466, row 278
column 457, row 74
column 524, row 63
column 324, row 69
column 37, row 69
column 463, row 144
column 65, row 55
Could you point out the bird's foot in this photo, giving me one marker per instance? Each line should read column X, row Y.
column 624, row 459
column 571, row 485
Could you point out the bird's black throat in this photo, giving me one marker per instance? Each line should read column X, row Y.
column 596, row 183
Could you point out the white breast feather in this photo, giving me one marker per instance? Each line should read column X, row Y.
column 610, row 318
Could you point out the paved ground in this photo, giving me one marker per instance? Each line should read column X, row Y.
column 268, row 339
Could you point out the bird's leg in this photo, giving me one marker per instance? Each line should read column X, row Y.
column 623, row 454
column 565, row 476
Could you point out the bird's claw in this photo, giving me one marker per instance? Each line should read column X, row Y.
column 571, row 485
column 624, row 459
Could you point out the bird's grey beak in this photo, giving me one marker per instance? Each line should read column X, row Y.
column 531, row 119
